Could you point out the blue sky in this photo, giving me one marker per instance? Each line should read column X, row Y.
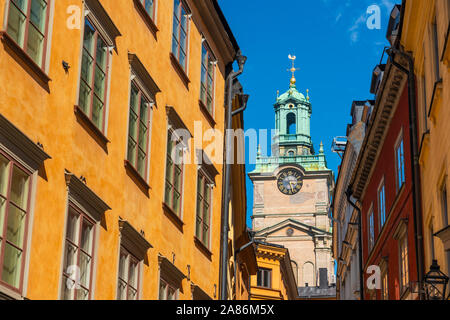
column 336, row 53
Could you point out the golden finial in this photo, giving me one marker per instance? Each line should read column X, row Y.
column 278, row 94
column 307, row 94
column 293, row 69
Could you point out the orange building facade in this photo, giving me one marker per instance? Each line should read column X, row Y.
column 93, row 205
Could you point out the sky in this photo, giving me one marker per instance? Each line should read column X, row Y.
column 336, row 54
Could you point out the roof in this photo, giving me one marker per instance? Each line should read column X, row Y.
column 291, row 95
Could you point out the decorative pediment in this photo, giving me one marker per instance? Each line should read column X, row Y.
column 86, row 199
column 138, row 69
column 170, row 272
column 19, row 144
column 102, row 21
column 133, row 240
column 293, row 224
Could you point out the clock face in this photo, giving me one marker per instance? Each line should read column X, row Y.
column 290, row 181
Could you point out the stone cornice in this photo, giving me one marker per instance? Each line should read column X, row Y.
column 102, row 21
column 141, row 72
column 169, row 270
column 385, row 107
column 82, row 195
column 133, row 241
column 18, row 143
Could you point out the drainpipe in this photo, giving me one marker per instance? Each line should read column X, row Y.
column 349, row 193
column 415, row 168
column 226, row 196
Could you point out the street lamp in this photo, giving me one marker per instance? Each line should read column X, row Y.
column 435, row 283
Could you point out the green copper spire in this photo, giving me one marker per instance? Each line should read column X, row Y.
column 293, row 143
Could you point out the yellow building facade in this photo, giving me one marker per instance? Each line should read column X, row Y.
column 275, row 278
column 94, row 204
column 426, row 34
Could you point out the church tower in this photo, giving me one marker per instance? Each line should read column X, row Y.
column 292, row 192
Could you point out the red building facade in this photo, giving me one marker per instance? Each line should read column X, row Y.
column 388, row 229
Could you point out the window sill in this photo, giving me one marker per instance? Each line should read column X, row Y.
column 147, row 19
column 92, row 129
column 28, row 62
column 204, row 249
column 136, row 177
column 6, row 293
column 207, row 114
column 176, row 220
column 179, row 69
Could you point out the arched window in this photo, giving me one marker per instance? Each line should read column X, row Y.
column 291, row 124
column 291, row 153
column 308, row 274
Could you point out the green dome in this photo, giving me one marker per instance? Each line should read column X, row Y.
column 291, row 94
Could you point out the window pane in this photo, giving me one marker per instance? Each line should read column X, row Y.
column 16, row 226
column 182, row 41
column 182, row 60
column 102, row 54
column 175, row 47
column 131, row 151
column 69, row 256
column 177, row 178
column 97, row 113
column 35, row 45
column 82, row 294
column 16, row 23
column 176, row 202
column 86, row 237
column 171, row 295
column 144, row 111
column 12, row 266
column 4, row 175
column 72, row 227
column 89, row 37
column 85, row 270
column 149, row 7
column 85, row 98
column 19, row 188
column 133, row 274
column 99, row 83
column 162, row 290
column 141, row 165
column 39, row 14
column 86, row 67
column 2, row 217
column 121, row 290
column 198, row 225
column 68, row 286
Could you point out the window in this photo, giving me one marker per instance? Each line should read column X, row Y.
column 404, row 269
column 264, row 278
column 127, row 288
column 133, row 251
column 291, row 125
column 77, row 274
column 207, row 79
column 78, row 256
column 174, row 173
column 166, row 291
column 444, row 204
column 94, row 75
column 150, row 7
column 382, row 205
column 400, row 164
column 139, row 130
column 371, row 230
column 204, row 207
column 180, row 33
column 28, row 27
column 14, row 209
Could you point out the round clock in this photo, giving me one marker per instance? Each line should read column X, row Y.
column 290, row 181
